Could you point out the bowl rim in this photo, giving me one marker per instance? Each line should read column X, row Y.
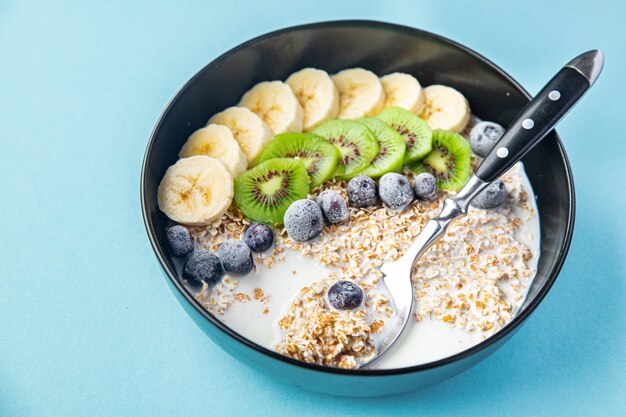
column 493, row 339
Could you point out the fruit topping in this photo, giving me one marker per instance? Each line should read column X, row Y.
column 218, row 142
column 360, row 93
column 202, row 266
column 333, row 206
column 390, row 157
column 317, row 95
column 236, row 257
column 362, row 192
column 403, row 90
column 259, row 237
column 416, row 133
column 445, row 108
column 180, row 240
column 491, row 197
column 449, row 161
column 276, row 104
column 425, row 186
column 484, row 136
column 303, row 220
column 356, row 144
column 395, row 191
column 345, row 295
column 265, row 192
column 320, row 158
column 196, row 191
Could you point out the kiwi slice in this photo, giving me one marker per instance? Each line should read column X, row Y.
column 320, row 158
column 356, row 144
column 265, row 192
column 449, row 161
column 415, row 131
column 391, row 149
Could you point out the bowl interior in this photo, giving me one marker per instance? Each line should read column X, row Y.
column 381, row 48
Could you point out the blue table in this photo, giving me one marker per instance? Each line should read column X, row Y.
column 87, row 325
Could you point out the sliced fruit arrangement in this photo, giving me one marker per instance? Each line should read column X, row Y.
column 265, row 192
column 449, row 161
column 317, row 95
column 445, row 108
column 218, row 142
column 360, row 93
column 276, row 104
column 403, row 90
column 196, row 191
column 248, row 129
column 320, row 158
column 390, row 157
column 356, row 144
column 416, row 133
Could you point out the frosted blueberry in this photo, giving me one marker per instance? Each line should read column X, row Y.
column 202, row 266
column 236, row 257
column 259, row 237
column 345, row 295
column 395, row 191
column 180, row 240
column 491, row 197
column 303, row 220
column 333, row 206
column 362, row 192
column 425, row 186
column 484, row 136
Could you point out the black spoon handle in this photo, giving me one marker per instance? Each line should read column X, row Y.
column 540, row 115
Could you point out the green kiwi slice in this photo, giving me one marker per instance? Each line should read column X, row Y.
column 391, row 146
column 415, row 131
column 356, row 144
column 449, row 161
column 264, row 192
column 320, row 158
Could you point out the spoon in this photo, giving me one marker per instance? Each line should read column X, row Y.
column 530, row 126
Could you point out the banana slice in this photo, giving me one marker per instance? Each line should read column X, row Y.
column 445, row 108
column 218, row 142
column 249, row 130
column 276, row 104
column 360, row 93
column 317, row 95
column 403, row 90
column 196, row 191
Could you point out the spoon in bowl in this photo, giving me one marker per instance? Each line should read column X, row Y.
column 530, row 126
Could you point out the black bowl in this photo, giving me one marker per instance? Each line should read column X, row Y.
column 382, row 48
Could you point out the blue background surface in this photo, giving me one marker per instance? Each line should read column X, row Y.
column 87, row 324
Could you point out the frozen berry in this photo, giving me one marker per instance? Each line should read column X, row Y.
column 303, row 220
column 484, row 136
column 491, row 197
column 395, row 191
column 180, row 240
column 425, row 186
column 362, row 192
column 345, row 295
column 259, row 237
column 202, row 266
column 236, row 257
column 333, row 206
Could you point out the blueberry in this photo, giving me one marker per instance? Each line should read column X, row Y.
column 180, row 240
column 491, row 197
column 425, row 186
column 236, row 257
column 362, row 192
column 303, row 220
column 484, row 136
column 333, row 206
column 202, row 266
column 395, row 191
column 259, row 237
column 345, row 295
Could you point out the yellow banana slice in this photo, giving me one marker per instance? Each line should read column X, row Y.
column 317, row 95
column 360, row 93
column 445, row 108
column 196, row 191
column 218, row 142
column 276, row 104
column 249, row 130
column 403, row 90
